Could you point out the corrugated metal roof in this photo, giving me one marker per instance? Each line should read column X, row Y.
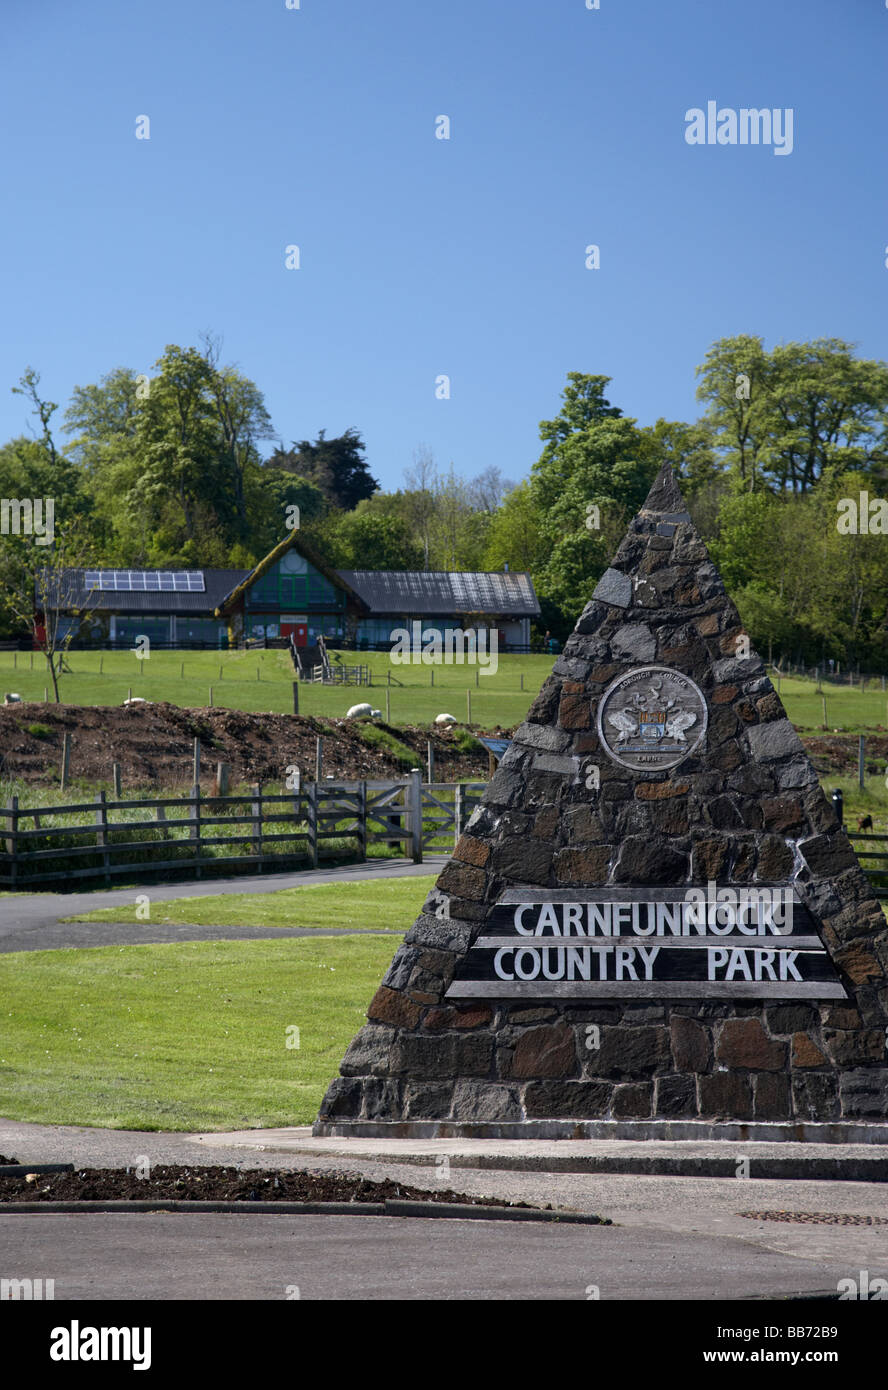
column 423, row 592
column 75, row 594
column 432, row 591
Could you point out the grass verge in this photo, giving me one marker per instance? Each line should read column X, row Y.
column 365, row 905
column 182, row 1037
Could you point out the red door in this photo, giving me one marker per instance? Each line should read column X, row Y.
column 299, row 631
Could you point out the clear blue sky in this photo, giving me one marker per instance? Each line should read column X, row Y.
column 316, row 127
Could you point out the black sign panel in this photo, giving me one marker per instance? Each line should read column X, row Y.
column 653, row 943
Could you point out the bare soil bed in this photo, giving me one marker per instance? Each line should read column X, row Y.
column 194, row 1184
column 153, row 744
column 836, row 754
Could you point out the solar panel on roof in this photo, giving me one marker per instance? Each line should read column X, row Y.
column 127, row 581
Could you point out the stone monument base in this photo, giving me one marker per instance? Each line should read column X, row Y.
column 669, row 1131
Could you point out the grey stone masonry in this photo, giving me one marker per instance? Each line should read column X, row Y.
column 743, row 807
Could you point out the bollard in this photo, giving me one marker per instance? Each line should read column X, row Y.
column 838, row 802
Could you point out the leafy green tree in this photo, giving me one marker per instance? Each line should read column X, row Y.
column 784, row 419
column 371, row 540
column 269, row 494
column 593, row 457
column 515, row 535
column 44, row 470
column 336, row 466
column 243, row 421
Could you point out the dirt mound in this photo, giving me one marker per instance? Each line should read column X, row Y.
column 153, row 744
column 220, row 1185
column 836, row 754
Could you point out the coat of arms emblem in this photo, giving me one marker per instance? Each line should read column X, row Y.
column 651, row 719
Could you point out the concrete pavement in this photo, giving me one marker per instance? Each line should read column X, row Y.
column 679, row 1232
column 34, row 922
column 242, row 1257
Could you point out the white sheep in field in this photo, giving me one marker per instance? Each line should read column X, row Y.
column 445, row 719
column 12, row 699
column 362, row 712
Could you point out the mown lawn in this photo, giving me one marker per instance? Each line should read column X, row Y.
column 182, row 1037
column 263, row 682
column 378, row 905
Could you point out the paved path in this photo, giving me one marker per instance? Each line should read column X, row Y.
column 32, row 922
column 186, row 1257
column 678, row 1224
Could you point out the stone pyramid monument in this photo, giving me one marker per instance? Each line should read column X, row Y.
column 653, row 924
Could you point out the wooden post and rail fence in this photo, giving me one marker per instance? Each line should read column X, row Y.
column 112, row 838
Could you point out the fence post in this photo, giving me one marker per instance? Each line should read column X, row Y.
column 313, row 822
column 195, row 765
column 430, row 761
column 66, row 759
column 295, row 697
column 194, row 830
column 12, row 840
column 115, row 773
column 101, row 819
column 319, row 758
column 160, row 817
column 388, row 706
column 415, row 800
column 823, row 699
column 861, row 761
column 362, row 819
column 468, row 705
column 458, row 811
column 223, row 774
column 256, row 789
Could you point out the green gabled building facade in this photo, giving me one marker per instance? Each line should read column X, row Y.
column 294, row 593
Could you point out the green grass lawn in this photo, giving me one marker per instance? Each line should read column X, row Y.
column 263, row 682
column 849, row 710
column 182, row 1037
column 382, row 904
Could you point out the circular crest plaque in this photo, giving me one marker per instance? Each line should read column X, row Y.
column 651, row 719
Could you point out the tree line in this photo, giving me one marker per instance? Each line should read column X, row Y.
column 183, row 468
